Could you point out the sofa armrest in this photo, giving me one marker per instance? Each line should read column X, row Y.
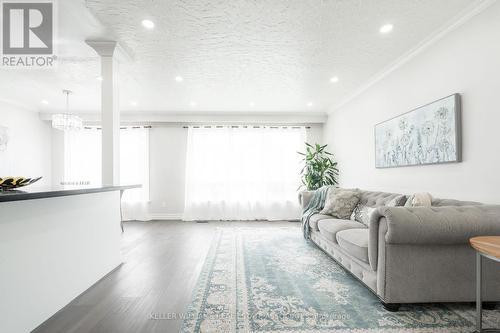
column 444, row 225
column 439, row 225
column 305, row 197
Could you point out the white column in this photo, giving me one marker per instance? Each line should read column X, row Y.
column 110, row 111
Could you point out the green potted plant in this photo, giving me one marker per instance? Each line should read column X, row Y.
column 320, row 169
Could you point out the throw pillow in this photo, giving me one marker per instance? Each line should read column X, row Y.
column 422, row 200
column 419, row 200
column 398, row 201
column 362, row 214
column 340, row 203
column 409, row 201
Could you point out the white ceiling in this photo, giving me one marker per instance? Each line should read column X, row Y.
column 278, row 54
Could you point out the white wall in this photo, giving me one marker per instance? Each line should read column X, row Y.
column 168, row 145
column 29, row 150
column 466, row 61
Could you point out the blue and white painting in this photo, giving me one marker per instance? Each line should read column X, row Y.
column 427, row 135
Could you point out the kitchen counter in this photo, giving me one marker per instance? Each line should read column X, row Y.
column 55, row 243
column 33, row 192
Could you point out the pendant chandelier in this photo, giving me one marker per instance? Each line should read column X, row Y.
column 67, row 121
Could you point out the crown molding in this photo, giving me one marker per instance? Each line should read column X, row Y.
column 471, row 11
column 207, row 117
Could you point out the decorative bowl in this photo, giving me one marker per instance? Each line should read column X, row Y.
column 8, row 183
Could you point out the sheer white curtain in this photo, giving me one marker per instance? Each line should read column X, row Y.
column 82, row 157
column 134, row 169
column 243, row 173
column 82, row 165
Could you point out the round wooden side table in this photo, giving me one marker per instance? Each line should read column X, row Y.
column 487, row 247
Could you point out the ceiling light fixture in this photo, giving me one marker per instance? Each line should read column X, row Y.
column 45, row 102
column 99, row 78
column 334, row 79
column 252, row 104
column 179, row 79
column 193, row 104
column 148, row 24
column 67, row 121
column 386, row 28
column 133, row 103
column 309, row 104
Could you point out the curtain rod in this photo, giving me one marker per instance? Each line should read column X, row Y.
column 245, row 126
column 133, row 127
column 207, row 126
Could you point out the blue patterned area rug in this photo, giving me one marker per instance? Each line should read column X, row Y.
column 271, row 280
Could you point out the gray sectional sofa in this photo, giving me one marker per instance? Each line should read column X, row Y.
column 412, row 254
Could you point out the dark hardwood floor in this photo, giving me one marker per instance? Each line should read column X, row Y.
column 162, row 261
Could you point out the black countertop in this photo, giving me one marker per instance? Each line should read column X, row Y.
column 30, row 193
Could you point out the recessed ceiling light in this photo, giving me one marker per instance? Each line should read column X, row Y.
column 193, row 104
column 179, row 79
column 309, row 104
column 334, row 79
column 44, row 102
column 148, row 24
column 133, row 103
column 252, row 104
column 386, row 28
column 99, row 78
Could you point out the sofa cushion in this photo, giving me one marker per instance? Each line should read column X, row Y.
column 354, row 242
column 313, row 221
column 329, row 228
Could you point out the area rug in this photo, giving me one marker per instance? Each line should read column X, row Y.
column 271, row 280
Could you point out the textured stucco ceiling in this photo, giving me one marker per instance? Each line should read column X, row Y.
column 278, row 54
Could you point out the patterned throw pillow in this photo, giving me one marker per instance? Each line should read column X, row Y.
column 409, row 201
column 362, row 214
column 398, row 201
column 340, row 203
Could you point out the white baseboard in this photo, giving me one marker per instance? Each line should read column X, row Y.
column 163, row 216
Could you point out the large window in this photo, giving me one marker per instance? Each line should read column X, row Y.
column 82, row 157
column 134, row 163
column 243, row 173
column 82, row 164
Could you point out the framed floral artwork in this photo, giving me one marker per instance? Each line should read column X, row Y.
column 430, row 134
